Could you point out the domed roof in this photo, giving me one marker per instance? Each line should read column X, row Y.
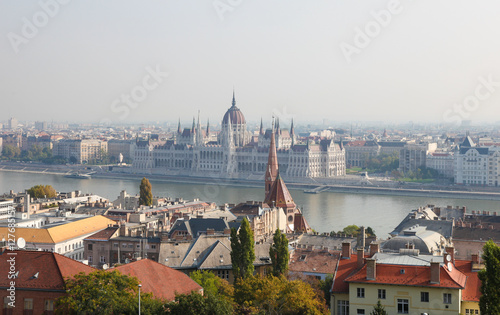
column 234, row 114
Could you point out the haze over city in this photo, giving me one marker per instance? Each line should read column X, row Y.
column 343, row 61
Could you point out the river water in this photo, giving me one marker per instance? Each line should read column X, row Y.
column 325, row 212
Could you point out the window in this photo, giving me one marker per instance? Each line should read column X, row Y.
column 447, row 298
column 28, row 304
column 90, row 259
column 115, row 244
column 381, row 294
column 361, row 292
column 89, row 246
column 360, row 311
column 49, row 305
column 424, row 296
column 223, row 274
column 342, row 307
column 103, row 259
column 403, row 306
column 153, row 246
column 6, row 302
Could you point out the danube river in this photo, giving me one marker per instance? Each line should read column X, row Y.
column 325, row 212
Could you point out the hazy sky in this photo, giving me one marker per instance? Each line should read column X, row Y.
column 126, row 61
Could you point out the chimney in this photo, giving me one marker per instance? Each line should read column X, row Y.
column 210, row 232
column 435, row 266
column 361, row 257
column 346, row 250
column 475, row 258
column 227, row 231
column 450, row 250
column 374, row 248
column 371, row 269
column 363, row 237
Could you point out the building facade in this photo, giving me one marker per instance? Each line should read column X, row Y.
column 235, row 155
column 80, row 150
column 477, row 165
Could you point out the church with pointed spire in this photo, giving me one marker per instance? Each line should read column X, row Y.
column 277, row 194
column 236, row 152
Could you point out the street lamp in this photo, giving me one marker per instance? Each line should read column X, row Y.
column 140, row 285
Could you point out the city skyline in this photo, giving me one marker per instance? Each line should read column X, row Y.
column 126, row 63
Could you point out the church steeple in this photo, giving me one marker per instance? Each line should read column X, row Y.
column 261, row 131
column 234, row 100
column 208, row 128
column 194, row 124
column 272, row 164
column 292, row 133
column 179, row 130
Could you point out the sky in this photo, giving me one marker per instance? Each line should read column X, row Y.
column 131, row 61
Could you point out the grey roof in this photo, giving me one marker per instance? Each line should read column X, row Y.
column 482, row 151
column 408, row 260
column 196, row 226
column 425, row 241
column 445, row 228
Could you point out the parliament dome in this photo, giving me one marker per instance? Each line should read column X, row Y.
column 234, row 114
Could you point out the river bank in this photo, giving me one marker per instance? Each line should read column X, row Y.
column 416, row 191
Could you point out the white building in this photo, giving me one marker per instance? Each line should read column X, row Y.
column 234, row 155
column 477, row 165
column 442, row 161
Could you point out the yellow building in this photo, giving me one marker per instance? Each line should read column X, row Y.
column 404, row 283
column 64, row 237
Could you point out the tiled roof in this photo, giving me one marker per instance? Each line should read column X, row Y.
column 313, row 261
column 472, row 287
column 60, row 232
column 345, row 268
column 51, row 267
column 412, row 276
column 471, row 233
column 162, row 281
column 103, row 235
column 280, row 195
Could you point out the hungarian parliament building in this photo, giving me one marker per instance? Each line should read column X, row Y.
column 237, row 153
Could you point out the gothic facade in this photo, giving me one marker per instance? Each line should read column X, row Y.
column 235, row 153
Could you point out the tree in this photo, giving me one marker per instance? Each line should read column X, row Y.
column 10, row 151
column 351, row 230
column 242, row 250
column 325, row 286
column 277, row 295
column 378, row 309
column 105, row 292
column 213, row 285
column 145, row 194
column 489, row 302
column 197, row 304
column 41, row 191
column 279, row 253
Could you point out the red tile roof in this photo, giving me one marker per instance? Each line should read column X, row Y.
column 472, row 287
column 162, row 281
column 412, row 276
column 315, row 261
column 280, row 195
column 345, row 268
column 52, row 268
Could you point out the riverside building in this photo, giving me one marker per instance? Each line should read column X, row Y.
column 236, row 153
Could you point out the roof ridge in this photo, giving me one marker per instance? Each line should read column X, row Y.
column 208, row 252
column 191, row 245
